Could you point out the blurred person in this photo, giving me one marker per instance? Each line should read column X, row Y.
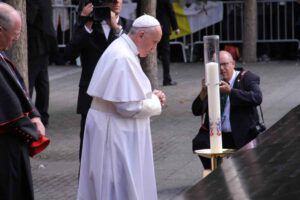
column 18, row 116
column 240, row 95
column 61, row 14
column 89, row 41
column 62, row 26
column 117, row 158
column 166, row 16
column 41, row 43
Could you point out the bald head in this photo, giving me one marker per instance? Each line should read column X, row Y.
column 226, row 54
column 8, row 15
column 10, row 25
column 227, row 65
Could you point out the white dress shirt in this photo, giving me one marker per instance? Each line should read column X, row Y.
column 226, row 126
column 106, row 28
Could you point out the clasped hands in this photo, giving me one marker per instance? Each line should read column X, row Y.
column 161, row 96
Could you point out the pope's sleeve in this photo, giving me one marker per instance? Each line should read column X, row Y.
column 139, row 109
column 150, row 107
column 128, row 109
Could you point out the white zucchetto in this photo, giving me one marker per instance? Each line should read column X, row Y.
column 145, row 21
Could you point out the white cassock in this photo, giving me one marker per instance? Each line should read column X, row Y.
column 117, row 157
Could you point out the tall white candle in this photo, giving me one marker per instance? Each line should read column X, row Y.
column 213, row 91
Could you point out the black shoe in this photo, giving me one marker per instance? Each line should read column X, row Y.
column 169, row 83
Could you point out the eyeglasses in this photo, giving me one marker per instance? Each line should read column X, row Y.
column 225, row 64
column 15, row 35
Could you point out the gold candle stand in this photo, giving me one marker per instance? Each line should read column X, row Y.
column 214, row 156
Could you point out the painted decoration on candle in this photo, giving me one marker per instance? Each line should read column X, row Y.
column 215, row 127
column 219, row 128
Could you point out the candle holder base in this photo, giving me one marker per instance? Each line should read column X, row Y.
column 214, row 156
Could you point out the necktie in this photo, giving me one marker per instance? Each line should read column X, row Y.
column 223, row 102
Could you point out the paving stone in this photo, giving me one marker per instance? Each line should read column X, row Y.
column 55, row 171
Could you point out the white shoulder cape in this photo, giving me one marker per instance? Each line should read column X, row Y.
column 118, row 75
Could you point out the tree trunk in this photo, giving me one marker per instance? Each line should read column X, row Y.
column 18, row 52
column 149, row 64
column 250, row 31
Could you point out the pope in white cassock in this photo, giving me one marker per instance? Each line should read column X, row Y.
column 117, row 157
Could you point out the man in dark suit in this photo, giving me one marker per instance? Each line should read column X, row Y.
column 89, row 41
column 41, row 43
column 240, row 95
column 166, row 16
column 19, row 120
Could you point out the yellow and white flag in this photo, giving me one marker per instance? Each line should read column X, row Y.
column 197, row 16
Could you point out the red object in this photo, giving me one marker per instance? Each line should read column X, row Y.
column 38, row 146
column 234, row 51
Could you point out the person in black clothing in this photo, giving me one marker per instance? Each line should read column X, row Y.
column 17, row 116
column 166, row 16
column 240, row 95
column 89, row 42
column 41, row 43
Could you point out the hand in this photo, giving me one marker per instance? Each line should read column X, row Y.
column 39, row 125
column 87, row 10
column 224, row 87
column 161, row 96
column 113, row 21
column 177, row 31
column 203, row 92
column 203, row 85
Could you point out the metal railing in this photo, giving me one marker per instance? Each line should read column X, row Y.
column 64, row 18
column 275, row 23
column 183, row 47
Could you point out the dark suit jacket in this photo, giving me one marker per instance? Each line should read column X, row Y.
column 89, row 47
column 16, row 108
column 244, row 97
column 41, row 33
column 166, row 16
column 16, row 132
